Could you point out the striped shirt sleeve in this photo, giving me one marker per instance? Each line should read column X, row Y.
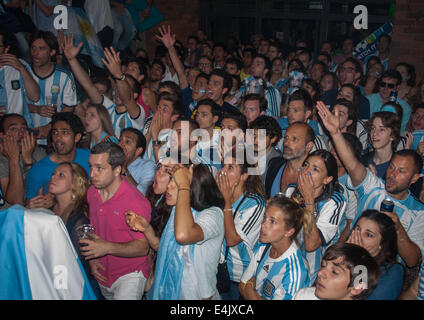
column 330, row 217
column 248, row 222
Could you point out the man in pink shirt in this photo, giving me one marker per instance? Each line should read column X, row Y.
column 118, row 257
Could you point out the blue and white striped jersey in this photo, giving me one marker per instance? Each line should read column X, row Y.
column 248, row 213
column 371, row 192
column 272, row 95
column 351, row 198
column 330, row 220
column 57, row 89
column 362, row 134
column 12, row 92
column 279, row 278
column 123, row 120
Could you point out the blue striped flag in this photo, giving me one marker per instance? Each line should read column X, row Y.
column 38, row 260
column 79, row 25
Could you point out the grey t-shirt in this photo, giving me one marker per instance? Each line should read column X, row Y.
column 38, row 154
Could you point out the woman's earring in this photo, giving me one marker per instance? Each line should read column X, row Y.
column 73, row 197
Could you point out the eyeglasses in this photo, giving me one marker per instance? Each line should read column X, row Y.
column 387, row 85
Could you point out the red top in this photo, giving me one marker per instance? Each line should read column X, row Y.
column 141, row 102
column 109, row 221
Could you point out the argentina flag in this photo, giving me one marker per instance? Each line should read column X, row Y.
column 38, row 260
column 79, row 25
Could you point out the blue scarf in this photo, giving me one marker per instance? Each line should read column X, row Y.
column 169, row 264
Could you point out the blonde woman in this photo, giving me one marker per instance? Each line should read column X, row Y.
column 69, row 184
column 98, row 125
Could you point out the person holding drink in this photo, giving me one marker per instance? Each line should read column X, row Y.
column 69, row 184
column 404, row 169
column 57, row 84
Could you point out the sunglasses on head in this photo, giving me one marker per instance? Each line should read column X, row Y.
column 387, row 85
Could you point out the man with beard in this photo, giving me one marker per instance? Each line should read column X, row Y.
column 404, row 170
column 19, row 152
column 67, row 130
column 57, row 84
column 283, row 171
column 258, row 83
column 138, row 171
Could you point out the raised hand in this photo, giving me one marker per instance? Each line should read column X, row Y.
column 331, row 121
column 166, row 37
column 68, row 48
column 112, row 62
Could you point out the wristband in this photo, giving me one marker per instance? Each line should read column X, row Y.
column 121, row 78
column 230, row 210
column 179, row 189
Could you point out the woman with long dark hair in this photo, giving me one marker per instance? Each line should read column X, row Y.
column 376, row 233
column 322, row 195
column 190, row 244
column 244, row 208
column 156, row 194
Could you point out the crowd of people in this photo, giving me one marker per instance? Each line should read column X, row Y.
column 216, row 171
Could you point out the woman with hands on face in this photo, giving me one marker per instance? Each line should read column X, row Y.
column 190, row 244
column 244, row 208
column 319, row 190
column 376, row 233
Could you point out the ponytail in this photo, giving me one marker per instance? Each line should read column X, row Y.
column 295, row 216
